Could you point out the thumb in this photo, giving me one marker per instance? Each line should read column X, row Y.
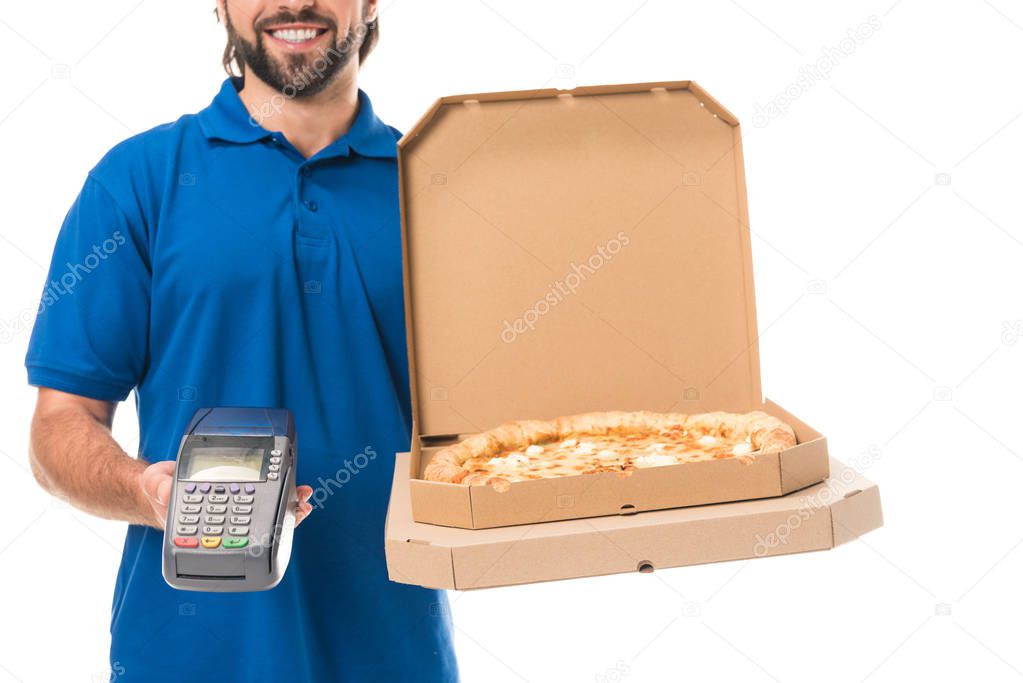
column 157, row 480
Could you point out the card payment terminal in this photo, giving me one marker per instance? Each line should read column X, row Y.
column 231, row 513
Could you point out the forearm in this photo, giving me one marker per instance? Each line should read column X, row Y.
column 75, row 457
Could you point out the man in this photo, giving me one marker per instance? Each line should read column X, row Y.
column 247, row 255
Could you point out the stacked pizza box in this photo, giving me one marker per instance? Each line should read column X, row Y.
column 588, row 252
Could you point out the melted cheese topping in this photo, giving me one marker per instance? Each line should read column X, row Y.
column 654, row 460
column 508, row 463
column 742, row 449
column 620, row 453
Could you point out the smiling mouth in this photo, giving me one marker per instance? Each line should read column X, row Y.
column 296, row 35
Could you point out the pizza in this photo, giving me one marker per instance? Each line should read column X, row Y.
column 617, row 441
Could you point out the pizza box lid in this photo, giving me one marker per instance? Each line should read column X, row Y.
column 831, row 513
column 576, row 250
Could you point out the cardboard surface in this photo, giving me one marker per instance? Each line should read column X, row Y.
column 608, row 225
column 572, row 251
column 816, row 518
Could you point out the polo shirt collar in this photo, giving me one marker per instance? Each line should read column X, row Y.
column 228, row 119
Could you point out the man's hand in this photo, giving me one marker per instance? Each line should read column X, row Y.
column 156, row 481
column 74, row 457
column 158, row 478
column 304, row 508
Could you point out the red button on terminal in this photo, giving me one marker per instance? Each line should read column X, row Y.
column 181, row 542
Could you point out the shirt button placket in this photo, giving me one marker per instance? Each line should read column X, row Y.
column 311, row 259
column 305, row 172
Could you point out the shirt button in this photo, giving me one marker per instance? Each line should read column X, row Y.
column 306, row 171
column 311, row 205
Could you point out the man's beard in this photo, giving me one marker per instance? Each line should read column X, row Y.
column 296, row 76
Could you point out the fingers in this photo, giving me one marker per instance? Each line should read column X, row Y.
column 304, row 508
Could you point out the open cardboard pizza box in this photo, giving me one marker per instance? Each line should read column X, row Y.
column 577, row 251
column 820, row 517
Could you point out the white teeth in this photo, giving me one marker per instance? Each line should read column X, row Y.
column 292, row 35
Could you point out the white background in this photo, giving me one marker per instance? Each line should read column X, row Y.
column 888, row 298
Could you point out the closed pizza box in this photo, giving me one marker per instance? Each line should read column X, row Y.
column 820, row 517
column 576, row 251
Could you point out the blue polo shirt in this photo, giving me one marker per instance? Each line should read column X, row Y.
column 207, row 263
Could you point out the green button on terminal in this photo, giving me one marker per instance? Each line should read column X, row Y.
column 236, row 542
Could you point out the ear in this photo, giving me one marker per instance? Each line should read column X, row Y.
column 369, row 12
column 221, row 10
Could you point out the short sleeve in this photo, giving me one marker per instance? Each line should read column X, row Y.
column 91, row 331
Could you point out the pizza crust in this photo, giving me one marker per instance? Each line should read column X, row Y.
column 762, row 432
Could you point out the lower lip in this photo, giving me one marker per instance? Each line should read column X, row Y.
column 297, row 47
